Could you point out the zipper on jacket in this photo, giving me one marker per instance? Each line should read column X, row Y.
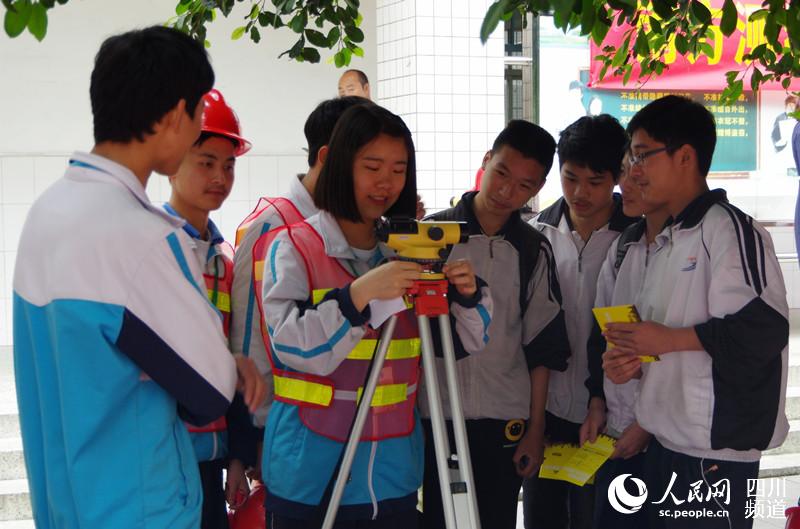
column 580, row 253
column 491, row 251
column 214, row 450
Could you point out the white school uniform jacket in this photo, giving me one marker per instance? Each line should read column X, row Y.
column 245, row 316
column 619, row 282
column 716, row 271
column 578, row 265
column 114, row 335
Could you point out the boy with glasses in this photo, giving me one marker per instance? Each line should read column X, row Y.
column 714, row 308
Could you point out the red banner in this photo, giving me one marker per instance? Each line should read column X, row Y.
column 689, row 72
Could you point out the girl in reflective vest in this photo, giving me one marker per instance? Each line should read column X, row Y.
column 319, row 279
column 201, row 185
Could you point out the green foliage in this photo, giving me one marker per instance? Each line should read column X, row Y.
column 21, row 14
column 655, row 25
column 318, row 24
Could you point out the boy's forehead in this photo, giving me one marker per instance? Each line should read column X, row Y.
column 514, row 161
column 579, row 169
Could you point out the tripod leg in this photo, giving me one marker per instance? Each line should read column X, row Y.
column 442, row 447
column 457, row 414
column 358, row 425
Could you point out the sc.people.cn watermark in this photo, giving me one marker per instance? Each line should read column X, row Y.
column 766, row 498
column 701, row 494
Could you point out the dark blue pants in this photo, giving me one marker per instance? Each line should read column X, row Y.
column 605, row 516
column 661, row 463
column 215, row 512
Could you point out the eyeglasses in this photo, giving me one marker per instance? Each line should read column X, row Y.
column 638, row 159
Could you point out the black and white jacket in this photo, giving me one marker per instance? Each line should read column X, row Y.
column 527, row 328
column 578, row 266
column 716, row 271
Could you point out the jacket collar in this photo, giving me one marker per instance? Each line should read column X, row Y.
column 692, row 214
column 301, row 198
column 214, row 235
column 465, row 209
column 102, row 168
column 336, row 244
column 617, row 222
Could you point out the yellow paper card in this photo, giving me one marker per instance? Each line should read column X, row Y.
column 573, row 464
column 620, row 314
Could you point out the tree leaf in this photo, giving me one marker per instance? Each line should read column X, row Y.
column 338, row 59
column 255, row 35
column 358, row 51
column 311, row 55
column 355, row 34
column 662, row 9
column 640, row 45
column 17, row 20
column 759, row 15
column 317, row 38
column 701, row 12
column 588, row 17
column 37, row 23
column 599, row 31
column 333, row 36
column 491, row 19
column 772, row 31
column 238, row 32
column 755, row 80
column 730, row 15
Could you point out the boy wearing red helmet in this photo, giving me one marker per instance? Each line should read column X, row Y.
column 201, row 184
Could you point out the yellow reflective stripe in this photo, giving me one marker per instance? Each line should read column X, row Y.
column 398, row 350
column 303, row 391
column 317, row 295
column 258, row 271
column 223, row 300
column 240, row 233
column 387, row 395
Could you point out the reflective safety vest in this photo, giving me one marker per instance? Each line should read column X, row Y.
column 328, row 404
column 218, row 287
column 289, row 215
column 288, row 212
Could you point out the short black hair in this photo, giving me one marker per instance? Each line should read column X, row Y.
column 676, row 121
column 141, row 75
column 597, row 142
column 359, row 125
column 531, row 140
column 362, row 77
column 320, row 123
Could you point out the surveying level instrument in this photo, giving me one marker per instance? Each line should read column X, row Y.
column 427, row 243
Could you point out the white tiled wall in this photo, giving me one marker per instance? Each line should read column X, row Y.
column 435, row 73
column 23, row 178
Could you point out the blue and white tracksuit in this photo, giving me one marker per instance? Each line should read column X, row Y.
column 114, row 338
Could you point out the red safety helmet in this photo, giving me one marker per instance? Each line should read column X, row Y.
column 251, row 514
column 219, row 118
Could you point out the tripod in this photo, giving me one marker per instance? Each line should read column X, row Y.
column 458, row 492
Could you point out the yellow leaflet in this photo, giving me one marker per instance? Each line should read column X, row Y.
column 620, row 314
column 573, row 464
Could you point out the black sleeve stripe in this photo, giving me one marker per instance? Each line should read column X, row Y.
column 762, row 261
column 554, row 290
column 198, row 400
column 746, row 236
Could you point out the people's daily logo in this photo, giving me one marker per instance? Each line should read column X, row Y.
column 621, row 500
